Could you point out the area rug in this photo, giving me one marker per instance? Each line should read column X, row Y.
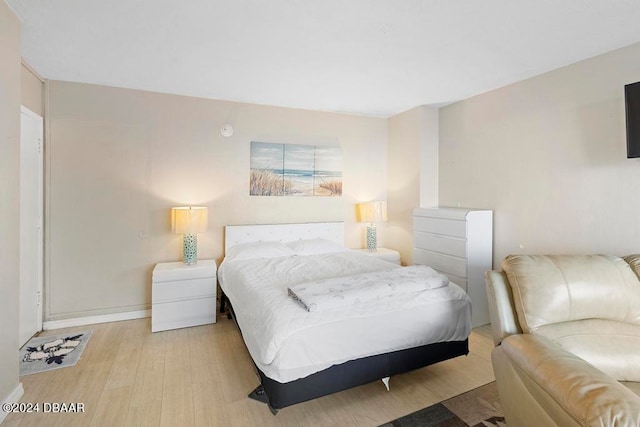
column 41, row 354
column 476, row 408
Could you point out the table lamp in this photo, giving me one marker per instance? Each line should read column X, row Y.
column 372, row 212
column 189, row 221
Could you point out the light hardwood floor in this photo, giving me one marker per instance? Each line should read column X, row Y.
column 201, row 376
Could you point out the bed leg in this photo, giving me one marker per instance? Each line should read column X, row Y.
column 385, row 380
column 259, row 395
column 223, row 301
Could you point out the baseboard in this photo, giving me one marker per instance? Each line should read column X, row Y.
column 92, row 320
column 14, row 397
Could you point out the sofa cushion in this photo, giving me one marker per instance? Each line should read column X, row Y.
column 633, row 386
column 634, row 262
column 549, row 289
column 613, row 347
column 586, row 394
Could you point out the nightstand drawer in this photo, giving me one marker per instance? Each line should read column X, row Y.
column 185, row 289
column 183, row 314
column 177, row 271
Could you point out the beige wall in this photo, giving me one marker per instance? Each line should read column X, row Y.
column 31, row 88
column 9, row 197
column 118, row 159
column 548, row 155
column 413, row 173
column 429, row 157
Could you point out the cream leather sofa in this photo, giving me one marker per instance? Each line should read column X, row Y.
column 567, row 335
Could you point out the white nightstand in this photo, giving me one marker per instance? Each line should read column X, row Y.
column 183, row 295
column 383, row 253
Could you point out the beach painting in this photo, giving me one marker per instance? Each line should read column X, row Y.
column 295, row 170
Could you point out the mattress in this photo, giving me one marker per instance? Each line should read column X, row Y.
column 287, row 342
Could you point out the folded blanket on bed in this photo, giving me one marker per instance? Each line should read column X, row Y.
column 338, row 292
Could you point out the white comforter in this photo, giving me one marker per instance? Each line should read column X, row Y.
column 287, row 342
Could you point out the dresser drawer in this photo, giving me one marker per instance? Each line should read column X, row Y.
column 460, row 281
column 448, row 227
column 443, row 263
column 443, row 244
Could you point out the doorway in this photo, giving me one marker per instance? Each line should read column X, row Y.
column 31, row 223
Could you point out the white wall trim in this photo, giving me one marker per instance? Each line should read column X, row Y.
column 92, row 320
column 13, row 397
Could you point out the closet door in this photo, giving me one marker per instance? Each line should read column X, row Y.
column 31, row 213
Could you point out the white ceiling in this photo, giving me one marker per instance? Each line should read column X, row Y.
column 371, row 57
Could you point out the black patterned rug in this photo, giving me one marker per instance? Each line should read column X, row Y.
column 52, row 352
column 476, row 408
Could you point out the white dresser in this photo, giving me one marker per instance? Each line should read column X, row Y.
column 458, row 243
column 183, row 295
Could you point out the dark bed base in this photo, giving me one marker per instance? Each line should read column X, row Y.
column 353, row 373
column 358, row 372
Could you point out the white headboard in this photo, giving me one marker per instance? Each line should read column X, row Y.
column 236, row 234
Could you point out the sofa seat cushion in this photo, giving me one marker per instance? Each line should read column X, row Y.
column 633, row 386
column 550, row 289
column 634, row 262
column 613, row 347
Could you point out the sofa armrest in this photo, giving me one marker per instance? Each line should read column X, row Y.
column 536, row 374
column 501, row 309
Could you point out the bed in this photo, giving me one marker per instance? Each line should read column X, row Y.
column 301, row 355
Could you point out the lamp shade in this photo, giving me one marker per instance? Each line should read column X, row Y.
column 372, row 211
column 189, row 220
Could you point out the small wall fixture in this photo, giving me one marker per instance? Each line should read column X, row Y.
column 189, row 221
column 226, row 130
column 372, row 212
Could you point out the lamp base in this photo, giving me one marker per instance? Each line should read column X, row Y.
column 372, row 238
column 190, row 249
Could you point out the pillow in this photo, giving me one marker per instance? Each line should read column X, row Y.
column 256, row 250
column 315, row 247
